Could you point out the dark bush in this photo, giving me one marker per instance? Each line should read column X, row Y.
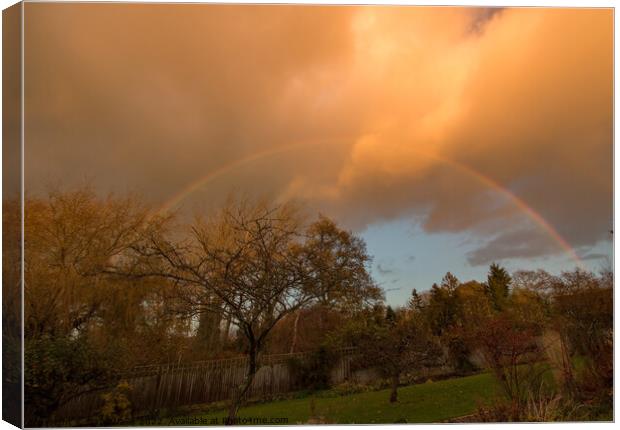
column 313, row 372
column 58, row 370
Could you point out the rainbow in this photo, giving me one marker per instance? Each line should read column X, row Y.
column 195, row 185
column 487, row 181
column 517, row 201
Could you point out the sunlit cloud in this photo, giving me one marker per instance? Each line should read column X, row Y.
column 157, row 98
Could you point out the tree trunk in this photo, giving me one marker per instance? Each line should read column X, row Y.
column 226, row 333
column 394, row 393
column 209, row 334
column 242, row 389
column 295, row 325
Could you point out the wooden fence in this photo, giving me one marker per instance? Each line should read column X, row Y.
column 168, row 386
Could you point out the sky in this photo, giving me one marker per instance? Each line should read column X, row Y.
column 447, row 137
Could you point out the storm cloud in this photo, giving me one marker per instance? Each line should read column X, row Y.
column 381, row 104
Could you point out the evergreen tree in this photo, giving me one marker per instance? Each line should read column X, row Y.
column 390, row 316
column 415, row 302
column 450, row 282
column 497, row 286
column 443, row 306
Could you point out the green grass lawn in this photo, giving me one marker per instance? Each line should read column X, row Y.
column 423, row 403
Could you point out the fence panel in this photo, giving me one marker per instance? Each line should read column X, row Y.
column 167, row 386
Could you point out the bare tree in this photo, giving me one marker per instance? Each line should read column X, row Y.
column 510, row 351
column 254, row 259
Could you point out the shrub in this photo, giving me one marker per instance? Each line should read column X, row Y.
column 313, row 372
column 58, row 370
column 458, row 352
column 500, row 411
column 542, row 405
column 116, row 407
column 508, row 347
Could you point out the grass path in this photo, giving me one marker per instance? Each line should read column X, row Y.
column 423, row 403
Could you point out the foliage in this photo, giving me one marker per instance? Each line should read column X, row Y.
column 415, row 301
column 110, row 285
column 339, row 263
column 571, row 315
column 299, row 331
column 443, row 306
column 394, row 342
column 539, row 407
column 11, row 310
column 507, row 347
column 458, row 351
column 81, row 322
column 116, row 407
column 72, row 239
column 583, row 314
column 255, row 264
column 58, row 370
column 497, row 286
column 313, row 372
column 452, row 311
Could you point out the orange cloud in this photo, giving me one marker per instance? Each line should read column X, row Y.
column 155, row 97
